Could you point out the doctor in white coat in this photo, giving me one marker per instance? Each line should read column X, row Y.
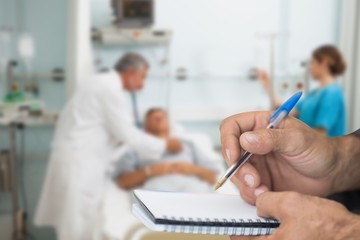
column 92, row 123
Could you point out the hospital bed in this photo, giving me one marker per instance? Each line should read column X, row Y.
column 116, row 221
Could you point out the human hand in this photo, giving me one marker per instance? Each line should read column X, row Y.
column 185, row 168
column 293, row 157
column 162, row 169
column 304, row 217
column 173, row 145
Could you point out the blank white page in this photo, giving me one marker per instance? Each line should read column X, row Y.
column 196, row 205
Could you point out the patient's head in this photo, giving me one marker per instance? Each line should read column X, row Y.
column 157, row 122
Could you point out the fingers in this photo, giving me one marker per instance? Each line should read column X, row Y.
column 267, row 205
column 247, row 131
column 285, row 141
column 249, row 195
column 232, row 128
column 277, row 205
column 248, row 175
column 247, row 179
column 262, row 141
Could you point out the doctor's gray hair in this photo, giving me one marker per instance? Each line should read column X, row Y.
column 131, row 61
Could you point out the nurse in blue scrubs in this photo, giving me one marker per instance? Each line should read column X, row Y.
column 324, row 107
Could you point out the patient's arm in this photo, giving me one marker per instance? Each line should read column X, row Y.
column 138, row 177
column 132, row 179
column 206, row 175
column 192, row 169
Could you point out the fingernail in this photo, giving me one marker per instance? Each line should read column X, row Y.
column 249, row 179
column 258, row 192
column 228, row 154
column 251, row 138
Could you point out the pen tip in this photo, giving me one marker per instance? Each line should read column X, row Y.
column 219, row 183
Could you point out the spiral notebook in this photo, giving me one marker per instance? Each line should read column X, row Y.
column 199, row 213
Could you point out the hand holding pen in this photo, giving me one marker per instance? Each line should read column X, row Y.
column 275, row 120
column 289, row 162
column 291, row 157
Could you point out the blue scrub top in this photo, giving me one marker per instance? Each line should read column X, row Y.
column 324, row 108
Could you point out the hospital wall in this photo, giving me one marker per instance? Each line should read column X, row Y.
column 214, row 43
column 47, row 23
column 200, row 101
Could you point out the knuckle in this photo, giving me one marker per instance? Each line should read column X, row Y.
column 229, row 121
column 224, row 123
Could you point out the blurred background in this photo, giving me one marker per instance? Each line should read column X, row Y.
column 203, row 56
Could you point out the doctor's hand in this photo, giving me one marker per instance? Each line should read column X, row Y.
column 304, row 217
column 292, row 157
column 173, row 145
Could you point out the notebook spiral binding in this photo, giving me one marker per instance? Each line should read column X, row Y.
column 223, row 227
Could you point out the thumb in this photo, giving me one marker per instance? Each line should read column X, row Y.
column 263, row 141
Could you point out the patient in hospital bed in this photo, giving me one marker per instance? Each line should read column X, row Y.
column 191, row 170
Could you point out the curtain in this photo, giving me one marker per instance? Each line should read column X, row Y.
column 350, row 46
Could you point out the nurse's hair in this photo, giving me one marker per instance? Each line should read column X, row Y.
column 131, row 61
column 336, row 62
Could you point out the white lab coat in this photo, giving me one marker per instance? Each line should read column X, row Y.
column 97, row 117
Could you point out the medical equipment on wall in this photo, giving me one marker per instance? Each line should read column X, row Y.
column 306, row 64
column 266, row 52
column 27, row 49
column 133, row 13
column 132, row 25
column 24, row 85
column 21, row 82
column 5, row 41
column 112, row 35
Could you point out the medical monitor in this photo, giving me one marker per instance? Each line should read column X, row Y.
column 133, row 13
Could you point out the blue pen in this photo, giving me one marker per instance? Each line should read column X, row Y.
column 281, row 113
